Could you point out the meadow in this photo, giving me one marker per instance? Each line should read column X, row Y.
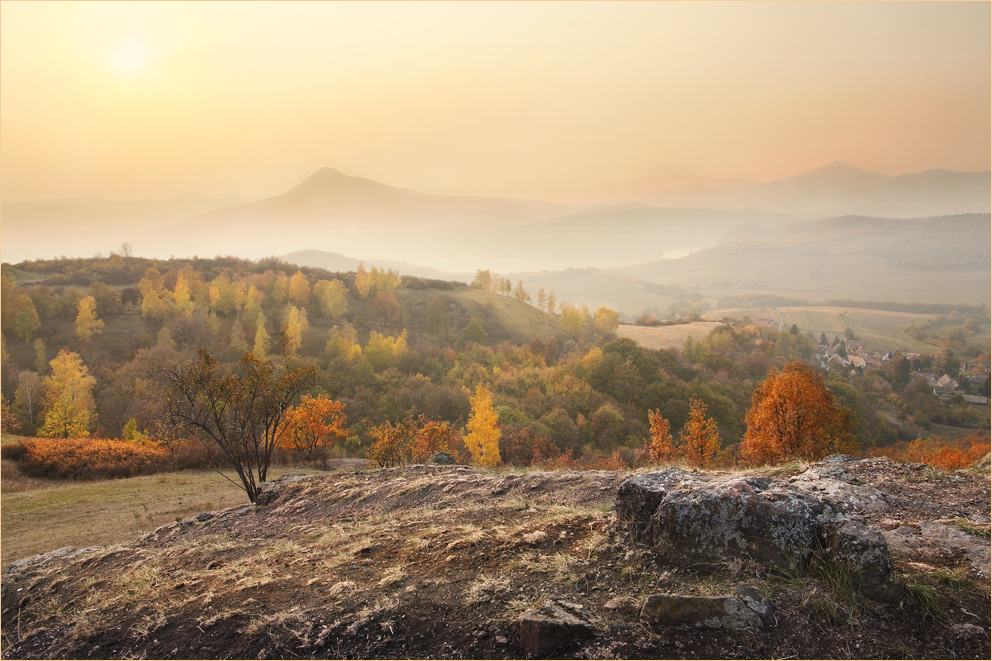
column 663, row 337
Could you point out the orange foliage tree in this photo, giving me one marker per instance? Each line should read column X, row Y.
column 316, row 423
column 409, row 442
column 793, row 414
column 700, row 441
column 659, row 448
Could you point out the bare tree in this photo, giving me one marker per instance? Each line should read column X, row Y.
column 127, row 250
column 241, row 413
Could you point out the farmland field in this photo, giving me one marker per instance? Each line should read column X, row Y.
column 878, row 329
column 663, row 337
column 44, row 515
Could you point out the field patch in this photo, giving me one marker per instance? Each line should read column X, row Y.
column 663, row 337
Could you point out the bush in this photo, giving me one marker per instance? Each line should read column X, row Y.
column 13, row 451
column 939, row 452
column 90, row 458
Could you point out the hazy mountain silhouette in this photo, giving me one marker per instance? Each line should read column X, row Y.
column 846, row 254
column 840, row 188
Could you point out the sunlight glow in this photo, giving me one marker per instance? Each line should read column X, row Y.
column 129, row 57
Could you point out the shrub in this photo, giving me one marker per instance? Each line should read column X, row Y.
column 90, row 458
column 939, row 452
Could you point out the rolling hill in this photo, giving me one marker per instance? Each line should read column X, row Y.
column 943, row 259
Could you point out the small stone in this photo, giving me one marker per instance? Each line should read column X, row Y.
column 543, row 634
column 206, row 516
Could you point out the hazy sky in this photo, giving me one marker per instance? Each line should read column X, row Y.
column 546, row 100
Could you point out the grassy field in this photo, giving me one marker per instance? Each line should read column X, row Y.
column 663, row 337
column 41, row 515
column 878, row 329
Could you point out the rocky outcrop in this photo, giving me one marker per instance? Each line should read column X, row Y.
column 928, row 540
column 690, row 519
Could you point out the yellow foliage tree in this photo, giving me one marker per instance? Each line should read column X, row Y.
column 483, row 429
column 87, row 323
column 299, row 289
column 68, row 403
column 293, row 337
column 262, row 341
column 363, row 281
column 330, row 295
column 606, row 321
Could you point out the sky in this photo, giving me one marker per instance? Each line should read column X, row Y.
column 558, row 101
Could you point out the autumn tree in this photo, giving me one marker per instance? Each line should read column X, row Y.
column 363, row 281
column 87, row 323
column 331, row 298
column 299, row 289
column 292, row 335
column 68, row 403
column 700, row 440
column 262, row 340
column 28, row 398
column 409, row 441
column 483, row 429
column 520, row 293
column 793, row 414
column 551, row 303
column 541, row 298
column 25, row 317
column 606, row 321
column 8, row 423
column 240, row 412
column 474, row 332
column 390, row 445
column 659, row 448
column 40, row 356
column 314, row 424
column 572, row 320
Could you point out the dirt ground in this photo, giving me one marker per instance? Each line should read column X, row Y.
column 440, row 562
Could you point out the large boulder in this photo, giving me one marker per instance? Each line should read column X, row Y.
column 688, row 519
column 699, row 520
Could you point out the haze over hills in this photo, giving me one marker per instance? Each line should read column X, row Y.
column 336, row 213
column 82, row 226
column 942, row 259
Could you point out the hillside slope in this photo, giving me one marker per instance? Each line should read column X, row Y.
column 440, row 562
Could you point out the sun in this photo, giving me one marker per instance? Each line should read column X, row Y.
column 129, row 57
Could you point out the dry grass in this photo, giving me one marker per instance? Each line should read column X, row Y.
column 54, row 514
column 662, row 337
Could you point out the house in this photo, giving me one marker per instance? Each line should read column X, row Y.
column 837, row 362
column 945, row 387
column 855, row 346
column 976, row 399
column 856, row 361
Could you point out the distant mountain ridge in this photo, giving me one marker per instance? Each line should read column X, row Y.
column 337, row 213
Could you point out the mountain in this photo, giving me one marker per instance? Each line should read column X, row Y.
column 334, row 212
column 80, row 226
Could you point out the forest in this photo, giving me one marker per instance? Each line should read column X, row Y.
column 88, row 344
